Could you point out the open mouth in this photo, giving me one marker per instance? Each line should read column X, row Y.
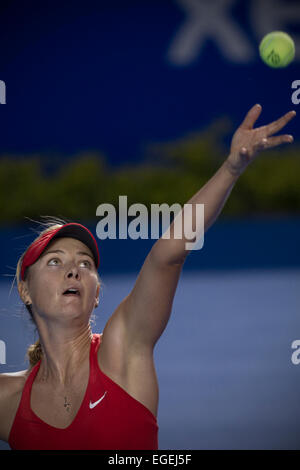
column 72, row 292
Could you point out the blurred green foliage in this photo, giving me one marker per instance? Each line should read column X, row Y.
column 170, row 172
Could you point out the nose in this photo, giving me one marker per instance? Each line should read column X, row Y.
column 73, row 272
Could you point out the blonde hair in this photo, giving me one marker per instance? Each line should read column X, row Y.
column 35, row 352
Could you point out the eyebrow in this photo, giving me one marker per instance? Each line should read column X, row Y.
column 61, row 251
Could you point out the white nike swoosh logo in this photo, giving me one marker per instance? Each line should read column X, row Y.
column 92, row 405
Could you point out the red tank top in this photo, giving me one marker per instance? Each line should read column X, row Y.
column 108, row 418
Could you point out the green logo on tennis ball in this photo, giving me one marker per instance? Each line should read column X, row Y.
column 273, row 58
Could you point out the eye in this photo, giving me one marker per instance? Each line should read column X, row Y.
column 53, row 259
column 87, row 263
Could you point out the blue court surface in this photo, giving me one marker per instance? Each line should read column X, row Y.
column 224, row 362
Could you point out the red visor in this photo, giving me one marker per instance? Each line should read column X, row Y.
column 72, row 230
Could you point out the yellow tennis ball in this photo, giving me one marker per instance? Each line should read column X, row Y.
column 277, row 49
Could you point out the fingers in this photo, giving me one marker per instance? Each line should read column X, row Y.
column 277, row 140
column 268, row 142
column 251, row 117
column 280, row 123
column 272, row 128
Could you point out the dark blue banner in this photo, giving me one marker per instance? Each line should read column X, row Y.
column 117, row 76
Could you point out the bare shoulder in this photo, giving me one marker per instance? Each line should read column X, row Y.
column 11, row 387
column 12, row 382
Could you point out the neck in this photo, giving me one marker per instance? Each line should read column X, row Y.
column 63, row 353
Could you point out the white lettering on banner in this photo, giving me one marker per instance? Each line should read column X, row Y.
column 213, row 20
column 2, row 352
column 296, row 354
column 2, row 92
column 296, row 95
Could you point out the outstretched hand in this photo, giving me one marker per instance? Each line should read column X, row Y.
column 248, row 142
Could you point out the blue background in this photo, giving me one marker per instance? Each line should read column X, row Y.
column 101, row 75
column 104, row 76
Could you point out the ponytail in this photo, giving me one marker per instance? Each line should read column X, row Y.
column 34, row 353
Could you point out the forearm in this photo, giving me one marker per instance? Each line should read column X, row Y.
column 213, row 195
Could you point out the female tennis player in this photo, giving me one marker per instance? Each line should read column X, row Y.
column 92, row 391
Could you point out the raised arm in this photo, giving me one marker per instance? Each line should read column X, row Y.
column 246, row 143
column 147, row 308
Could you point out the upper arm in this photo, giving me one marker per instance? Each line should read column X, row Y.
column 148, row 306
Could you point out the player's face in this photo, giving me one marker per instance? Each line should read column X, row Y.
column 65, row 263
